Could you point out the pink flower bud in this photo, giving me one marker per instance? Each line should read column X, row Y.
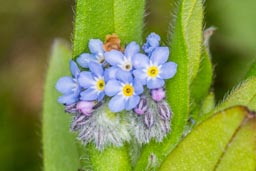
column 85, row 107
column 142, row 107
column 158, row 94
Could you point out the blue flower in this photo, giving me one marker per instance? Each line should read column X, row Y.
column 151, row 43
column 69, row 86
column 125, row 90
column 152, row 71
column 97, row 54
column 93, row 82
column 123, row 60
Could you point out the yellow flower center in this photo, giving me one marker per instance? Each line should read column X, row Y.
column 128, row 90
column 100, row 85
column 153, row 71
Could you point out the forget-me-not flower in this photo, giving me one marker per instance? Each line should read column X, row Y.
column 152, row 71
column 152, row 42
column 69, row 86
column 125, row 90
column 93, row 82
column 123, row 60
column 96, row 55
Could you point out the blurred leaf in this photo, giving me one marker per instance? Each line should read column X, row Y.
column 185, row 47
column 59, row 145
column 217, row 144
column 252, row 70
column 201, row 84
column 96, row 19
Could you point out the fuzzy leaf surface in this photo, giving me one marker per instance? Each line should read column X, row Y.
column 96, row 19
column 217, row 144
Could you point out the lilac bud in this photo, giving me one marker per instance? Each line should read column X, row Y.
column 164, row 110
column 85, row 107
column 142, row 107
column 149, row 119
column 158, row 94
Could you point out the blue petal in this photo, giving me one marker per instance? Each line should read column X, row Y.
column 85, row 79
column 168, row 70
column 112, row 87
column 96, row 68
column 152, row 42
column 84, row 59
column 89, row 94
column 153, row 39
column 160, row 55
column 138, row 87
column 65, row 85
column 110, row 73
column 101, row 96
column 114, row 57
column 68, row 99
column 74, row 69
column 155, row 83
column 117, row 103
column 131, row 49
column 140, row 61
column 96, row 46
column 140, row 75
column 124, row 76
column 132, row 102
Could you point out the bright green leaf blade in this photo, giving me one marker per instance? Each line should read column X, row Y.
column 185, row 51
column 59, row 145
column 93, row 19
column 96, row 19
column 201, row 84
column 244, row 94
column 203, row 148
column 208, row 104
column 128, row 19
column 192, row 25
column 240, row 154
column 111, row 159
column 252, row 71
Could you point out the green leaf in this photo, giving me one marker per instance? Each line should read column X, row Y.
column 59, row 145
column 252, row 70
column 111, row 159
column 217, row 144
column 185, row 51
column 208, row 104
column 201, row 84
column 240, row 154
column 244, row 94
column 96, row 19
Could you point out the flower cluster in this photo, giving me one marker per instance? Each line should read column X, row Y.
column 116, row 92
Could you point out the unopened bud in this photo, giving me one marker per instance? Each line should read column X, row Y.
column 149, row 119
column 164, row 110
column 142, row 107
column 158, row 94
column 85, row 107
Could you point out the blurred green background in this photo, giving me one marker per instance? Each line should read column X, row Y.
column 28, row 28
